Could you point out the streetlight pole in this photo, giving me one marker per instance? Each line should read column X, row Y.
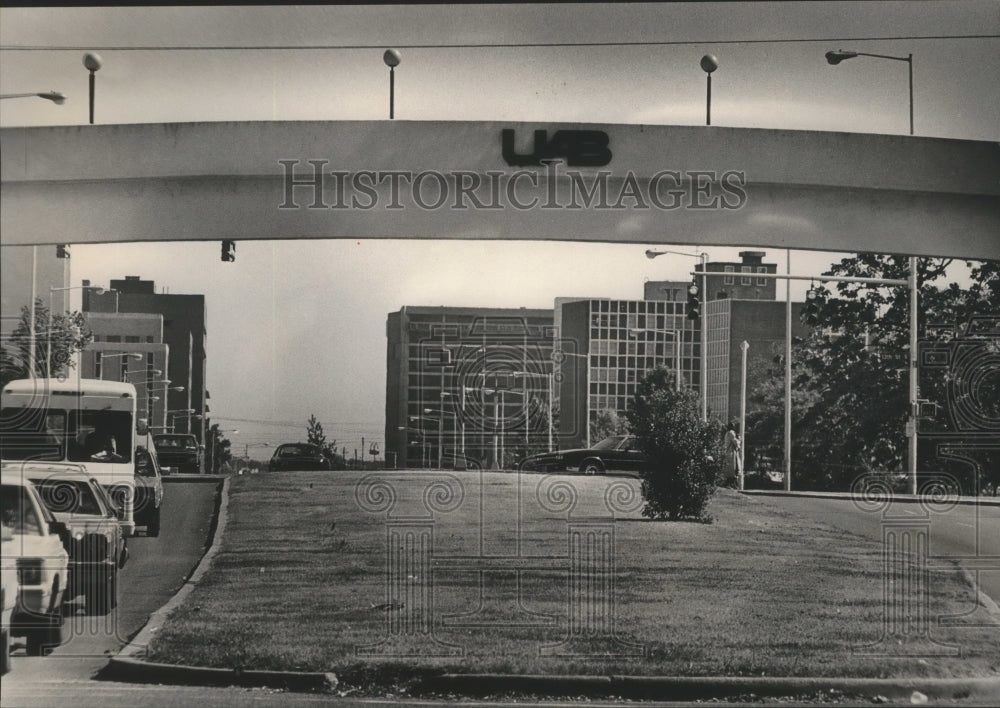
column 709, row 64
column 702, row 320
column 92, row 62
column 743, row 408
column 835, row 57
column 392, row 58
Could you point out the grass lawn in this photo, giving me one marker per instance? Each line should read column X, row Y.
column 485, row 583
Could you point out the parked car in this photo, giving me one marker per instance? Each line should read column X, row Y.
column 180, row 452
column 618, row 453
column 39, row 555
column 97, row 544
column 148, row 490
column 299, row 456
column 9, row 591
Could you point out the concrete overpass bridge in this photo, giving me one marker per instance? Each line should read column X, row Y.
column 490, row 180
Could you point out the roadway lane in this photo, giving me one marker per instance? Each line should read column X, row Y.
column 156, row 569
column 967, row 533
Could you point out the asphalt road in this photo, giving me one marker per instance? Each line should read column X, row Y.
column 966, row 533
column 156, row 569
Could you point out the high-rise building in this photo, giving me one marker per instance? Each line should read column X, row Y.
column 740, row 281
column 467, row 386
column 129, row 347
column 614, row 344
column 761, row 325
column 184, row 334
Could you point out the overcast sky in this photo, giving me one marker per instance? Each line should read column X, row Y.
column 297, row 328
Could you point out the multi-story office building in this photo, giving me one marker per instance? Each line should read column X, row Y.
column 761, row 325
column 612, row 345
column 737, row 281
column 467, row 386
column 118, row 337
column 184, row 333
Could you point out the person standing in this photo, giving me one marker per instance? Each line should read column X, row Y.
column 732, row 446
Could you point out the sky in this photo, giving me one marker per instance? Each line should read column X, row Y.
column 298, row 327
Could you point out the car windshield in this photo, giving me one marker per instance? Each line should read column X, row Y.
column 610, row 443
column 69, row 496
column 18, row 512
column 163, row 442
column 296, row 451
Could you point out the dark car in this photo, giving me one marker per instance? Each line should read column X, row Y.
column 619, row 453
column 299, row 456
column 148, row 490
column 180, row 452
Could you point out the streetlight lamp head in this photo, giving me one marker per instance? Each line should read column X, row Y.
column 92, row 61
column 651, row 254
column 834, row 58
column 392, row 58
column 54, row 96
column 709, row 63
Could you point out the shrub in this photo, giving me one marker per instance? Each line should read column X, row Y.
column 683, row 454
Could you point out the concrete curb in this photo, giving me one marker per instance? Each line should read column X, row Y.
column 133, row 670
column 904, row 498
column 699, row 688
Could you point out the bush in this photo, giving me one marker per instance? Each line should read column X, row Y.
column 683, row 454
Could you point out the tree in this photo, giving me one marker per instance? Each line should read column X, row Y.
column 55, row 344
column 607, row 423
column 219, row 449
column 850, row 377
column 314, row 431
column 683, row 455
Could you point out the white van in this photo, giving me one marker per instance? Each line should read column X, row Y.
column 87, row 422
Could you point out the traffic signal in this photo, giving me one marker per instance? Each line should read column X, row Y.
column 229, row 251
column 814, row 304
column 694, row 302
column 62, row 251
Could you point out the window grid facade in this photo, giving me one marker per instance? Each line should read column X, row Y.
column 473, row 385
column 625, row 339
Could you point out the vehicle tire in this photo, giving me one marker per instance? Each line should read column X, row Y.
column 153, row 525
column 102, row 595
column 47, row 636
column 5, row 646
column 591, row 467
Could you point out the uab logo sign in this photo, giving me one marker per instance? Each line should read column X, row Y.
column 580, row 148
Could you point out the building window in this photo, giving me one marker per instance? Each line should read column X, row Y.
column 149, row 339
column 114, row 338
column 745, row 279
column 729, row 279
column 761, row 281
column 98, row 364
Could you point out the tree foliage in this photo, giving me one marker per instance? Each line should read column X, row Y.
column 607, row 423
column 55, row 344
column 682, row 453
column 315, row 434
column 219, row 447
column 850, row 378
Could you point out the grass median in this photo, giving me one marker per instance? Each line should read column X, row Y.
column 491, row 572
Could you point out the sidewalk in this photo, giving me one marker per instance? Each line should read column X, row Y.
column 903, row 498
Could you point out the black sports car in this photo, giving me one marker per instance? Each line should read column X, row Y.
column 619, row 453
